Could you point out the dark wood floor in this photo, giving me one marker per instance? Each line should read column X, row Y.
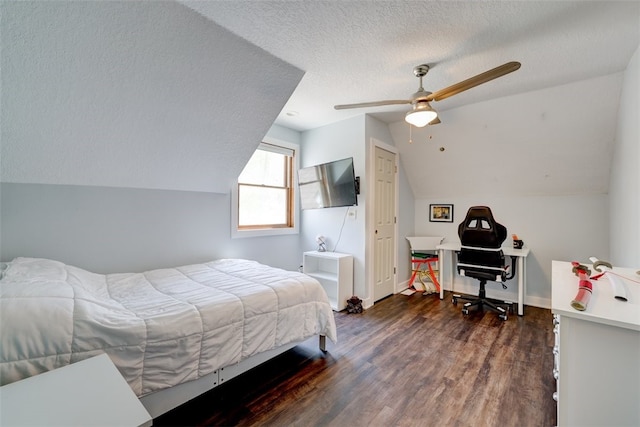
column 407, row 361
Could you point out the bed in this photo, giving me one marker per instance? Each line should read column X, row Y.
column 170, row 332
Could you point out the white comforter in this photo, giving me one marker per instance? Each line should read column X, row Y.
column 161, row 327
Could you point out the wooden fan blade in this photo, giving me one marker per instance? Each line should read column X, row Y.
column 372, row 104
column 474, row 81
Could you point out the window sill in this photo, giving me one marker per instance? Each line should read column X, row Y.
column 238, row 234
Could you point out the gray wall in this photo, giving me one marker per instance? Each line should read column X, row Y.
column 406, row 228
column 327, row 143
column 560, row 203
column 106, row 230
column 624, row 226
column 566, row 228
column 379, row 131
column 104, row 168
column 352, row 138
column 123, row 129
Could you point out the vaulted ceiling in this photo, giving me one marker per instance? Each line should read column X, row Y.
column 155, row 95
column 531, row 132
column 358, row 51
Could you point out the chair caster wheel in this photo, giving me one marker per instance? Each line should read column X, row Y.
column 503, row 316
column 509, row 307
column 465, row 311
column 454, row 301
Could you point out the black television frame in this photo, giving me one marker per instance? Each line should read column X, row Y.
column 328, row 185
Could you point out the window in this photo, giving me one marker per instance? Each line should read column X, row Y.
column 265, row 193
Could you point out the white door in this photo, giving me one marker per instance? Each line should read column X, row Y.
column 384, row 217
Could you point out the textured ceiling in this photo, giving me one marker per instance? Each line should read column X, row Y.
column 359, row 51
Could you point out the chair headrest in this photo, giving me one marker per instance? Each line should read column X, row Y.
column 480, row 229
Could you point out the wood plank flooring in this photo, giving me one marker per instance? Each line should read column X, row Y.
column 407, row 361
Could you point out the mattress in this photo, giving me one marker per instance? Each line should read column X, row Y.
column 161, row 327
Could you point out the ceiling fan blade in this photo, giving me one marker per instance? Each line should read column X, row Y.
column 372, row 104
column 474, row 81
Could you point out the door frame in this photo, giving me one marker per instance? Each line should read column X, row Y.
column 370, row 220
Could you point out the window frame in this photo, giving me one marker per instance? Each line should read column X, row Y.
column 276, row 230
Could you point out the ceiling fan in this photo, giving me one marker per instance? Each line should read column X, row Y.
column 422, row 114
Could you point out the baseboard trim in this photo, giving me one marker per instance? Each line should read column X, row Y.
column 499, row 294
column 401, row 287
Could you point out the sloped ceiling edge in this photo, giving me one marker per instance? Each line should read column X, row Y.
column 132, row 94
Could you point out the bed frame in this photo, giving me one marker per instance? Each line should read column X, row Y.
column 163, row 401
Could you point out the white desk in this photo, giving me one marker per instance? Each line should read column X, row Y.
column 446, row 255
column 597, row 351
column 87, row 393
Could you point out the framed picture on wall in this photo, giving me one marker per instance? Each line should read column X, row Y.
column 441, row 213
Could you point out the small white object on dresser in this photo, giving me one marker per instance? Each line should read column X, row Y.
column 334, row 271
column 87, row 393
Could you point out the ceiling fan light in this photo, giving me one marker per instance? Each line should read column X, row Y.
column 421, row 116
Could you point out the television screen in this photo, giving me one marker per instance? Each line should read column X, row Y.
column 328, row 185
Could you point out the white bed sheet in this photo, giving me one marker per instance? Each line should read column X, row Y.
column 161, row 327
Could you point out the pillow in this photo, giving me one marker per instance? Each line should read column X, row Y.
column 34, row 268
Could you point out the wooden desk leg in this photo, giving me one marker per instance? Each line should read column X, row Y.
column 521, row 287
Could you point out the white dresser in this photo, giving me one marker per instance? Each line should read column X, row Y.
column 597, row 351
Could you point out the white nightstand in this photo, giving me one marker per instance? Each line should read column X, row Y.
column 334, row 271
column 87, row 393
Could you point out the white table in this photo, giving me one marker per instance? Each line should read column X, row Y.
column 446, row 256
column 87, row 393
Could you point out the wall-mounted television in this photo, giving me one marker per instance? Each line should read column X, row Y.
column 328, row 185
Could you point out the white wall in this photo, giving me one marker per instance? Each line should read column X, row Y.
column 624, row 190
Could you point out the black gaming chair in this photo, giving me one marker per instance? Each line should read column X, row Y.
column 480, row 256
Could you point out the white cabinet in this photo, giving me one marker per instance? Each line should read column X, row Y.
column 334, row 271
column 597, row 352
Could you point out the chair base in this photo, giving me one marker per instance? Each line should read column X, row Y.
column 481, row 302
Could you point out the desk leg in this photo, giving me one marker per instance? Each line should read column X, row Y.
column 452, row 269
column 521, row 285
